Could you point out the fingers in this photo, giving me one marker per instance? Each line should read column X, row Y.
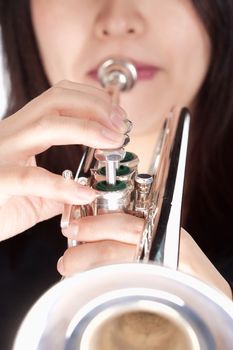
column 80, row 101
column 90, row 89
column 89, row 255
column 68, row 113
column 116, row 227
column 108, row 238
column 34, row 181
column 67, row 130
column 48, row 131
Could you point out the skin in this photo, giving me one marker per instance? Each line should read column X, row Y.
column 65, row 114
column 145, row 32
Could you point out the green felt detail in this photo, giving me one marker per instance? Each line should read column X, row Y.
column 128, row 157
column 122, row 170
column 105, row 187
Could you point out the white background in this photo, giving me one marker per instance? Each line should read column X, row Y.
column 2, row 87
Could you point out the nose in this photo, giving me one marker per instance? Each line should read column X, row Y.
column 119, row 18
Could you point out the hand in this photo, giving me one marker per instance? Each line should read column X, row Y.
column 113, row 238
column 108, row 239
column 67, row 113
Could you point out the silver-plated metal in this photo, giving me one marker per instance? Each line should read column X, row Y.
column 86, row 161
column 157, row 197
column 127, row 178
column 160, row 145
column 111, row 160
column 132, row 163
column 112, row 201
column 73, row 212
column 171, row 234
column 144, row 181
column 67, row 174
column 163, row 217
column 66, row 215
column 102, row 155
column 117, row 72
column 111, row 168
column 115, row 75
column 65, row 219
column 152, row 206
column 142, row 195
column 98, row 305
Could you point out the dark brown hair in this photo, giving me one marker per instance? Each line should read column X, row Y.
column 27, row 76
column 209, row 192
column 22, row 59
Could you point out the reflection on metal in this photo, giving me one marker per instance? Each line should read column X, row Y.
column 123, row 306
column 145, row 304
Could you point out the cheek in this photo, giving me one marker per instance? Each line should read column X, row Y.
column 184, row 48
column 43, row 20
column 190, row 70
column 45, row 26
column 190, row 53
column 59, row 36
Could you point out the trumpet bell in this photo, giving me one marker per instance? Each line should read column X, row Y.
column 129, row 306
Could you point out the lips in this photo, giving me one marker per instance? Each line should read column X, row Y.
column 144, row 71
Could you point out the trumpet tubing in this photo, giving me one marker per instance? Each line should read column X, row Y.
column 119, row 186
column 145, row 304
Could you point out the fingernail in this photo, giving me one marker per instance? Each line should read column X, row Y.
column 74, row 231
column 129, row 125
column 116, row 109
column 126, row 141
column 60, row 266
column 112, row 135
column 71, row 231
column 123, row 125
column 118, row 123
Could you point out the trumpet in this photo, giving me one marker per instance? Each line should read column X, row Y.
column 119, row 186
column 146, row 303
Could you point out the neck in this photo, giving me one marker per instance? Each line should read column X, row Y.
column 143, row 146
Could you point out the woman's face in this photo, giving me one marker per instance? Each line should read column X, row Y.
column 165, row 39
